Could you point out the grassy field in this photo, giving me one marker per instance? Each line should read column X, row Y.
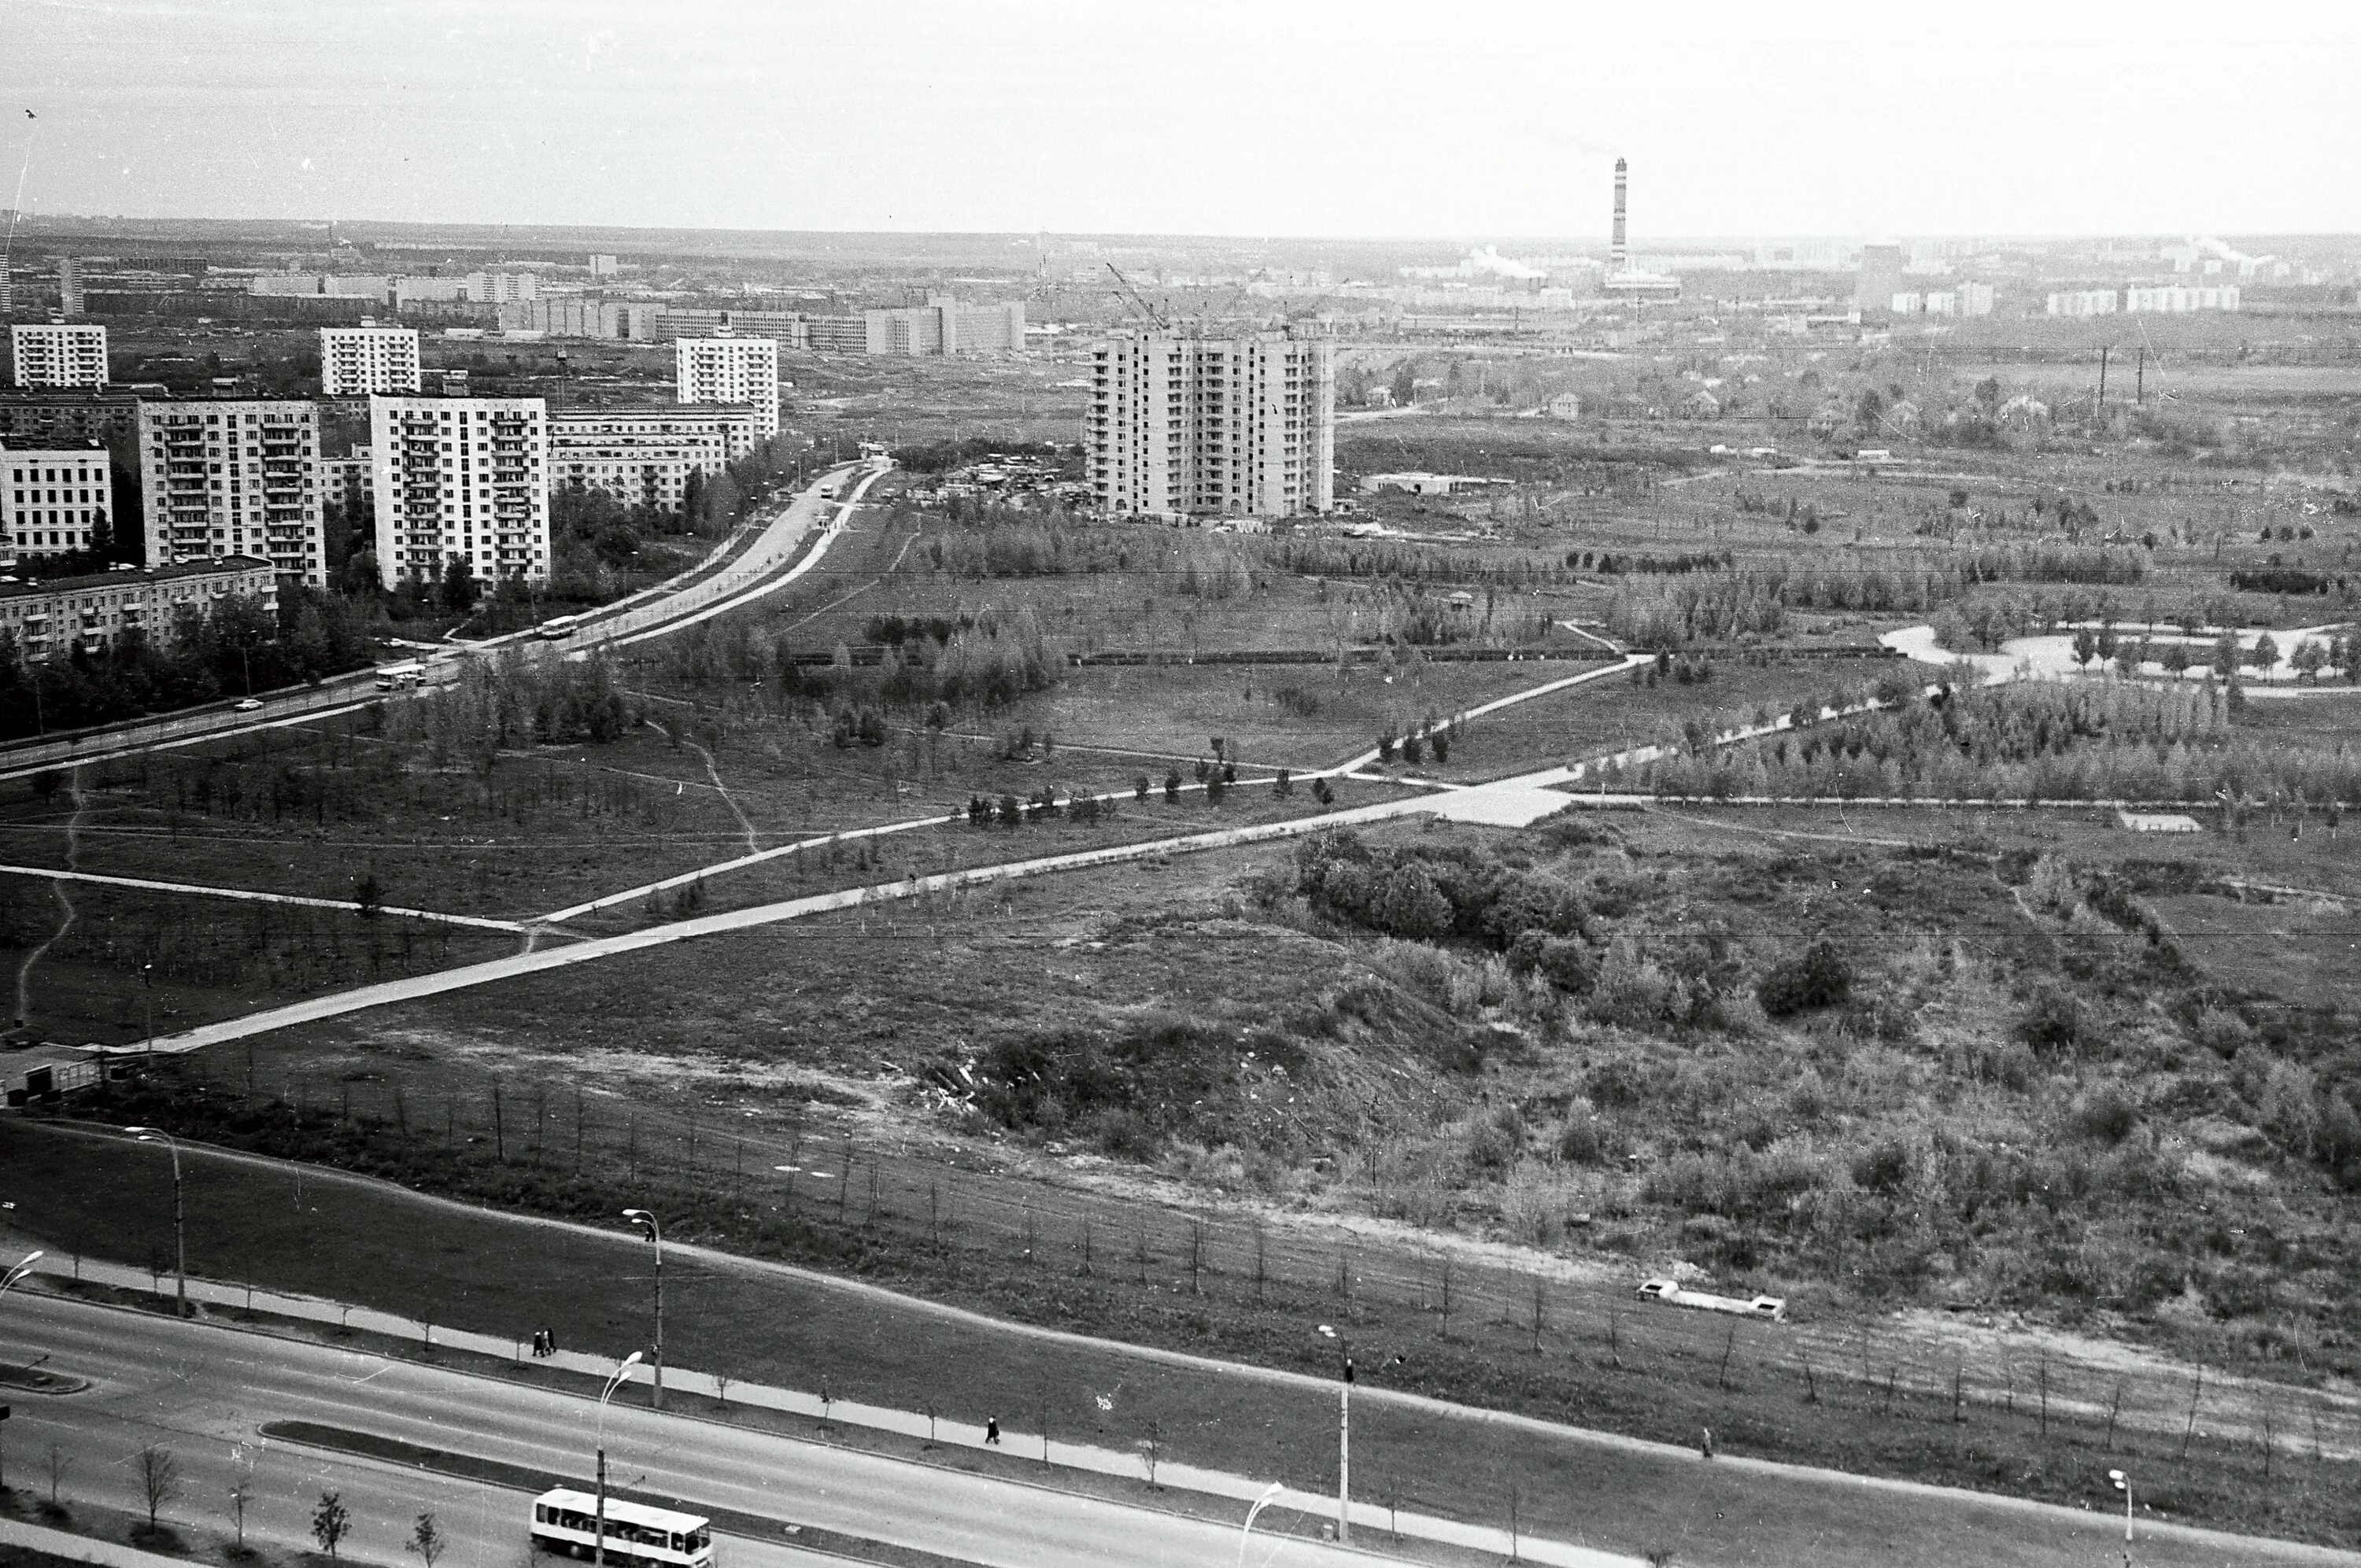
column 381, row 1246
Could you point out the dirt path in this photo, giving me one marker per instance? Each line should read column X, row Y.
column 57, row 891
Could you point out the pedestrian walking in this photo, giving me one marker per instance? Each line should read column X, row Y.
column 549, row 1341
column 538, row 1349
column 992, row 1431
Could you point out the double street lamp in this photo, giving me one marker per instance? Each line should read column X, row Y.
column 655, row 1233
column 180, row 1213
column 622, row 1371
column 17, row 1275
column 1344, row 1438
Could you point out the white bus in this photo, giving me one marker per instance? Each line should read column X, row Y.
column 567, row 1521
column 558, row 627
column 400, row 677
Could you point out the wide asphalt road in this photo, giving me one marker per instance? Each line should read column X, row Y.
column 203, row 1391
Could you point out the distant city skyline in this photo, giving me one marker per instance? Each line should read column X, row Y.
column 1214, row 119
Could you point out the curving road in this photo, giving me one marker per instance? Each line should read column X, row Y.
column 699, row 594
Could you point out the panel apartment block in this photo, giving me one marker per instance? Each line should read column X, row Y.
column 89, row 614
column 944, row 326
column 57, row 354
column 234, row 477
column 640, row 460
column 357, row 361
column 730, row 371
column 461, row 476
column 1181, row 427
column 53, row 502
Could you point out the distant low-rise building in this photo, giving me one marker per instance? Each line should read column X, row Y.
column 89, row 614
column 1565, row 405
column 57, row 354
column 945, row 326
column 55, row 501
column 2179, row 300
column 2083, row 302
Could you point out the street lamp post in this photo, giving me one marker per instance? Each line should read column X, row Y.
column 180, row 1214
column 1344, row 1439
column 148, row 990
column 2123, row 1485
column 655, row 1233
column 623, row 1370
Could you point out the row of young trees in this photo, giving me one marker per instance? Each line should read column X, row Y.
column 1754, row 600
column 235, row 647
column 2028, row 741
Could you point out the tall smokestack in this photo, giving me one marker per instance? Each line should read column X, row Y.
column 1619, row 255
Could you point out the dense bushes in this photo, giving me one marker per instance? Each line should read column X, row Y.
column 1817, row 976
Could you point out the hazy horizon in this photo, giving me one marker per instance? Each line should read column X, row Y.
column 1220, row 121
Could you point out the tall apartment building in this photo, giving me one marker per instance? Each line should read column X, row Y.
column 54, row 502
column 944, row 326
column 461, row 476
column 234, row 477
column 639, row 460
column 357, row 361
column 1880, row 280
column 2179, row 298
column 349, row 484
column 69, row 295
column 1181, row 427
column 65, row 614
column 730, row 371
column 57, row 354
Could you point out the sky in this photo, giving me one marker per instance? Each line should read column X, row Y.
column 1452, row 118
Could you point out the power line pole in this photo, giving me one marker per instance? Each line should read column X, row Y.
column 2100, row 407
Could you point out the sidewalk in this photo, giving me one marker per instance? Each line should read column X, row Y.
column 1368, row 1516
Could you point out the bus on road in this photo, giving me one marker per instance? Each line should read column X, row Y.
column 567, row 1521
column 400, row 677
column 560, row 626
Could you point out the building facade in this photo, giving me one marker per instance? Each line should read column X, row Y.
column 56, row 619
column 730, row 371
column 69, row 295
column 57, row 354
column 1180, row 427
column 349, row 484
column 640, row 459
column 234, row 477
column 357, row 361
column 71, row 419
column 944, row 326
column 2179, row 298
column 1880, row 280
column 787, row 329
column 2083, row 302
column 55, row 501
column 465, row 477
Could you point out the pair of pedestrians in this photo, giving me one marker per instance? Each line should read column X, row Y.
column 544, row 1342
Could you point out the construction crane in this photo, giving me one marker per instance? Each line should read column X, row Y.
column 1132, row 296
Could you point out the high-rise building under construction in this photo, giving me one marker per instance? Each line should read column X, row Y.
column 1183, row 426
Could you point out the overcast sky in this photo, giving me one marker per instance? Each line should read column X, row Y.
column 1452, row 118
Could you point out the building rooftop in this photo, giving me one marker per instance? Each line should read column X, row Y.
column 209, row 568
